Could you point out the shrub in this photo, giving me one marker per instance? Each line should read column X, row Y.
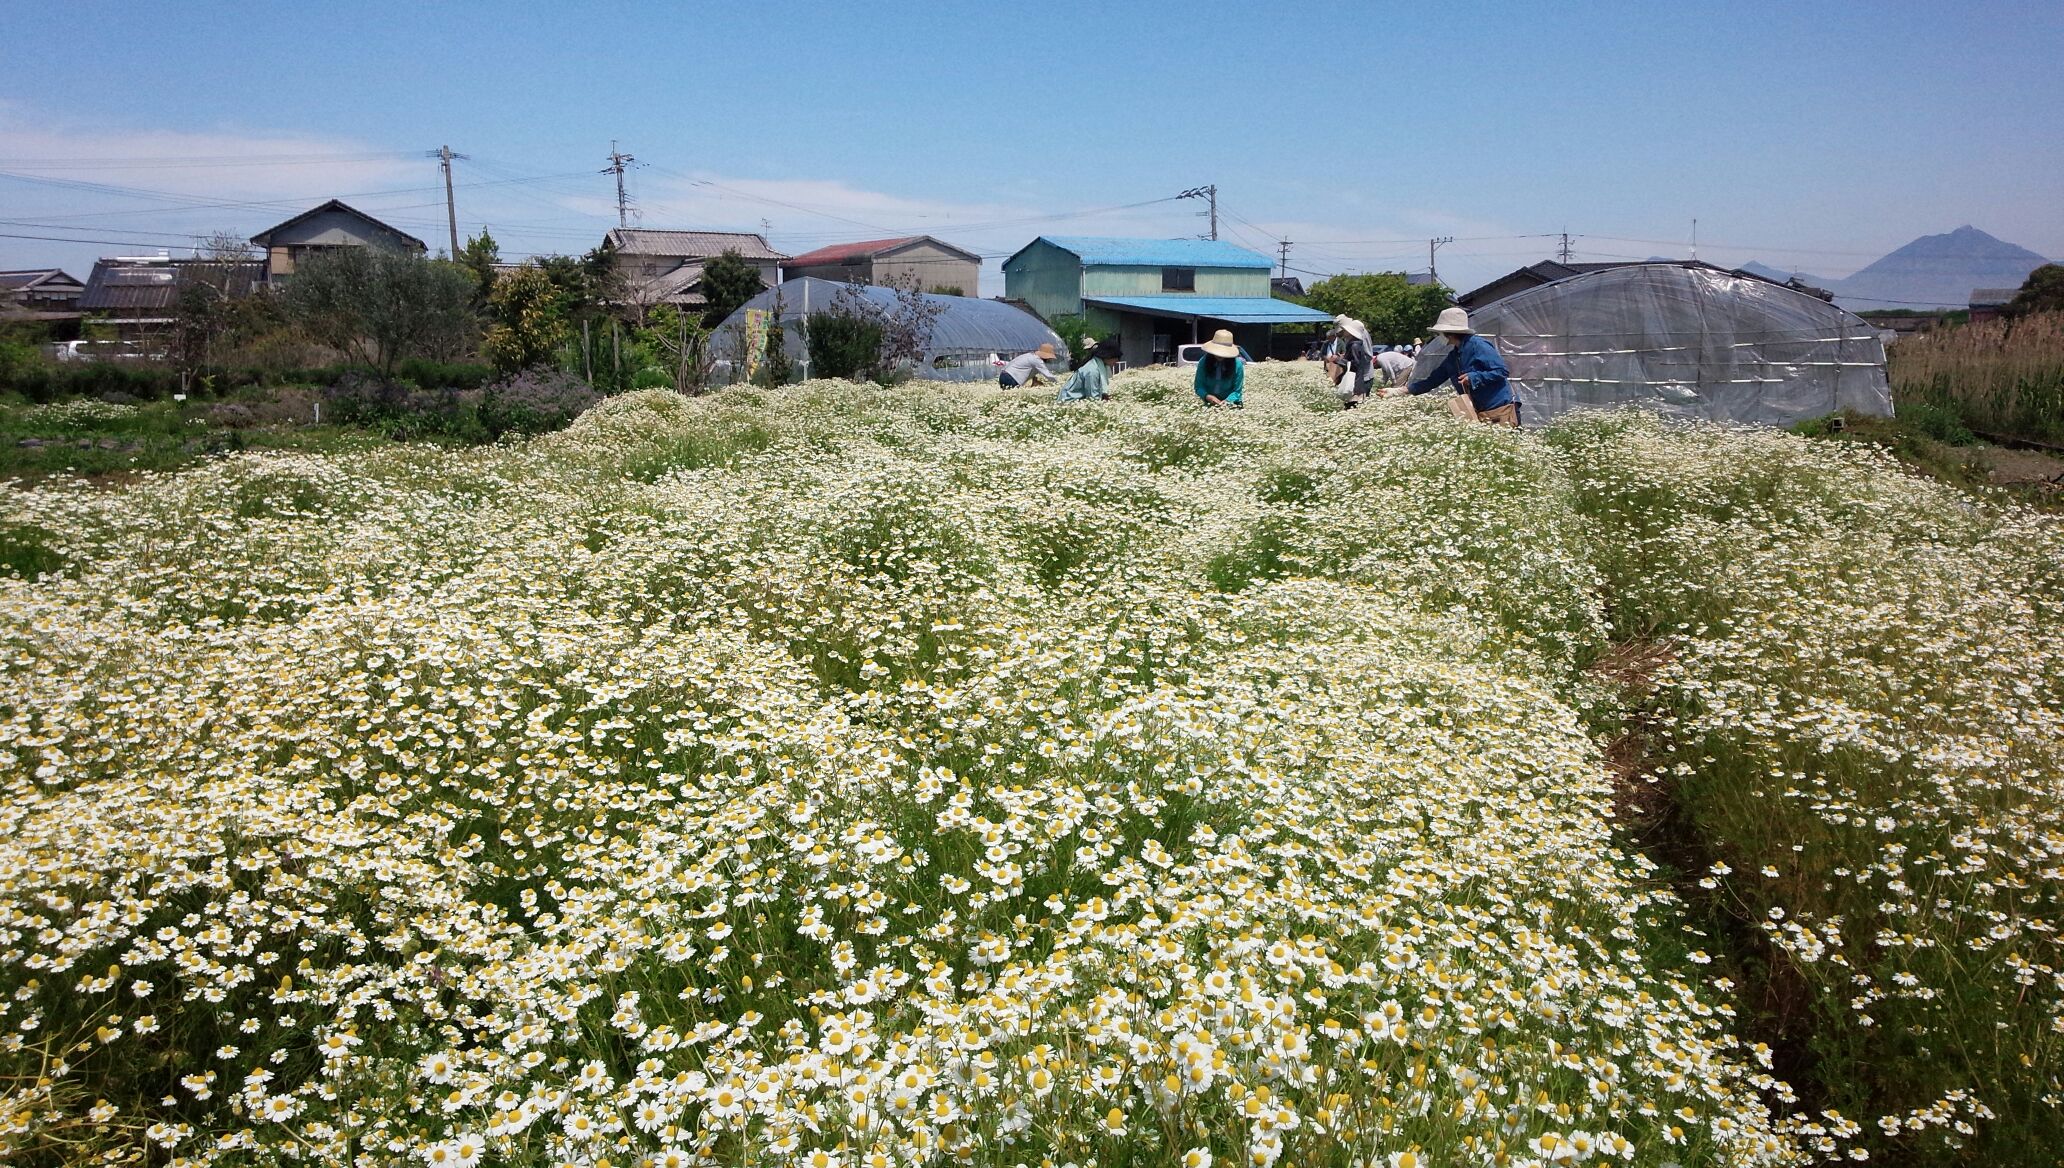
column 402, row 411
column 844, row 346
column 534, row 401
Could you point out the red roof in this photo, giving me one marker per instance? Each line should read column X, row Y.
column 839, row 253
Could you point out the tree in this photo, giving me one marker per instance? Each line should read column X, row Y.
column 678, row 339
column 902, row 331
column 844, row 345
column 776, row 368
column 727, row 282
column 479, row 257
column 2043, row 291
column 1394, row 310
column 383, row 307
column 529, row 320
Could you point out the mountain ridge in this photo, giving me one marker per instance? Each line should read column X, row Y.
column 1933, row 271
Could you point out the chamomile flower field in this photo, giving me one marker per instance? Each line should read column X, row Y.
column 855, row 776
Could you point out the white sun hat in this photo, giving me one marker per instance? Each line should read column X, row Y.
column 1453, row 320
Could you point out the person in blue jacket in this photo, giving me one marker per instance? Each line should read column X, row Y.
column 1475, row 367
column 1222, row 371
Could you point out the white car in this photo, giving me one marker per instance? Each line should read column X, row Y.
column 96, row 351
column 1188, row 355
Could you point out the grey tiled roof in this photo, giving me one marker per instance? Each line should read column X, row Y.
column 691, row 244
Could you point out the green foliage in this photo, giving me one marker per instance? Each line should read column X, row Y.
column 776, row 368
column 1074, row 330
column 677, row 344
column 86, row 437
column 1395, row 311
column 25, row 552
column 727, row 282
column 529, row 314
column 2043, row 291
column 384, row 306
column 844, row 346
column 479, row 257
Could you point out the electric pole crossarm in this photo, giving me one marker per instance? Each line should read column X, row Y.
column 1209, row 193
column 618, row 163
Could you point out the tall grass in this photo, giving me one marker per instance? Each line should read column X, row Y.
column 2002, row 377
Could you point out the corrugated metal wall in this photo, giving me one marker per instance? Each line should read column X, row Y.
column 1047, row 278
column 1146, row 281
column 932, row 267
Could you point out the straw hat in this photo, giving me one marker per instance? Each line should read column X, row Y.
column 1046, row 352
column 1221, row 344
column 1453, row 320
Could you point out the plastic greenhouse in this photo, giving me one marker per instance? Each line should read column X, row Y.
column 965, row 334
column 1687, row 341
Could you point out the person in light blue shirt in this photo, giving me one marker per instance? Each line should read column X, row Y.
column 1475, row 367
column 1092, row 382
column 1222, row 371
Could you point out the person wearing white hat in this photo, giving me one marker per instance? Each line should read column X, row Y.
column 1092, row 380
column 1025, row 367
column 1222, row 372
column 1356, row 356
column 1475, row 367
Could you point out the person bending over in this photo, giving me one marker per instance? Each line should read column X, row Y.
column 1475, row 367
column 1221, row 372
column 1026, row 368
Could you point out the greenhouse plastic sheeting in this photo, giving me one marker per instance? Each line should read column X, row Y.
column 965, row 333
column 1690, row 342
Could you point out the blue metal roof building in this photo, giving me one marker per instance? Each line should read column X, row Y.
column 1154, row 294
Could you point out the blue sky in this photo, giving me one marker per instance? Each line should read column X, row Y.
column 1811, row 136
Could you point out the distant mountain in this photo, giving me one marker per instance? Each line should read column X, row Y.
column 1932, row 271
column 1769, row 273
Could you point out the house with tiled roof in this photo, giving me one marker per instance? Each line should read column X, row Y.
column 932, row 264
column 323, row 228
column 665, row 267
column 39, row 290
column 139, row 295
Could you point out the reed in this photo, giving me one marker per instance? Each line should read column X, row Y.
column 2002, row 377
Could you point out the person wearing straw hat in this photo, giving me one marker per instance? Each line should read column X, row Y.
column 1092, row 381
column 1222, row 371
column 1024, row 367
column 1357, row 357
column 1475, row 367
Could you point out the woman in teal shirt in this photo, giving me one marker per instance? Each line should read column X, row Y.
column 1222, row 371
column 1092, row 382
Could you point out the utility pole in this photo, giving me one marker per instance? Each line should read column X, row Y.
column 1433, row 245
column 618, row 163
column 1564, row 255
column 1694, row 241
column 1283, row 259
column 1211, row 193
column 444, row 155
